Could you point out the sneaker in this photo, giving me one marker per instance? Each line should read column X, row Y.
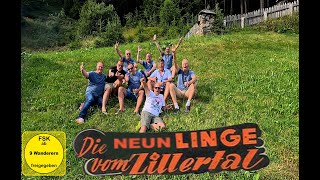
column 80, row 120
column 104, row 112
column 176, row 111
column 81, row 105
column 119, row 111
column 187, row 109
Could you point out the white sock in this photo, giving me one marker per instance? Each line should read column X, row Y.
column 188, row 103
column 176, row 105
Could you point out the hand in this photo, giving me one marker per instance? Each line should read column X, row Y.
column 116, row 45
column 142, row 80
column 186, row 84
column 139, row 48
column 154, row 37
column 147, row 74
column 117, row 73
column 173, row 50
column 81, row 67
column 135, row 91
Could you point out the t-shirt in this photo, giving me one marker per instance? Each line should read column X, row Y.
column 165, row 76
column 167, row 60
column 154, row 103
column 134, row 80
column 184, row 77
column 126, row 63
column 147, row 67
column 114, row 78
column 96, row 83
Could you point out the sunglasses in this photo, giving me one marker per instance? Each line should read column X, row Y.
column 157, row 87
column 128, row 53
column 130, row 69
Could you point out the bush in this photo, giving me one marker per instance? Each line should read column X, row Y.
column 112, row 34
column 283, row 24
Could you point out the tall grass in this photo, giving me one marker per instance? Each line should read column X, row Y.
column 243, row 77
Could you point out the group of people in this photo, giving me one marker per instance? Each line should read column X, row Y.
column 152, row 84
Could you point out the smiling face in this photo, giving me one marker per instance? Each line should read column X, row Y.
column 128, row 54
column 167, row 50
column 131, row 68
column 185, row 65
column 99, row 68
column 161, row 65
column 157, row 88
column 119, row 65
column 148, row 57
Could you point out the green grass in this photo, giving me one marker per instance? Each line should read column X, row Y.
column 243, row 77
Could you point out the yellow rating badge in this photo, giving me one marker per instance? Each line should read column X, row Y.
column 44, row 153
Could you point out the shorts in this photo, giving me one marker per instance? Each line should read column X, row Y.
column 148, row 118
column 109, row 85
column 130, row 95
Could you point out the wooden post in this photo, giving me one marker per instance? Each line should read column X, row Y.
column 242, row 22
column 265, row 15
column 291, row 8
column 224, row 23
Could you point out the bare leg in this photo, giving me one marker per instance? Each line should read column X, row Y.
column 173, row 93
column 121, row 95
column 157, row 126
column 105, row 99
column 173, row 71
column 167, row 90
column 139, row 101
column 190, row 92
column 143, row 129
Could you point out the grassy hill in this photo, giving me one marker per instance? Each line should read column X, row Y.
column 243, row 77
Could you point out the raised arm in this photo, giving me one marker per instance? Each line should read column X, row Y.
column 116, row 46
column 176, row 67
column 145, row 87
column 180, row 41
column 138, row 55
column 83, row 71
column 158, row 46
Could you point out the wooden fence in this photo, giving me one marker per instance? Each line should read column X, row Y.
column 255, row 17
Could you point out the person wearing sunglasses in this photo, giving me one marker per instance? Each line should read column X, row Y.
column 186, row 85
column 113, row 82
column 134, row 91
column 127, row 59
column 153, row 106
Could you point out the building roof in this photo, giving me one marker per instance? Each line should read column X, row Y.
column 207, row 11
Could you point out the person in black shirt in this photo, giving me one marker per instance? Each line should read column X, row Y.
column 113, row 82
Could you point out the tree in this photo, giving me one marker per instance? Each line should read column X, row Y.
column 94, row 17
column 169, row 13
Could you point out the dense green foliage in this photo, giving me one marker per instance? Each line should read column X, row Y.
column 248, row 76
column 283, row 24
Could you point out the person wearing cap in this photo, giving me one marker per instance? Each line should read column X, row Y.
column 186, row 85
column 94, row 90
